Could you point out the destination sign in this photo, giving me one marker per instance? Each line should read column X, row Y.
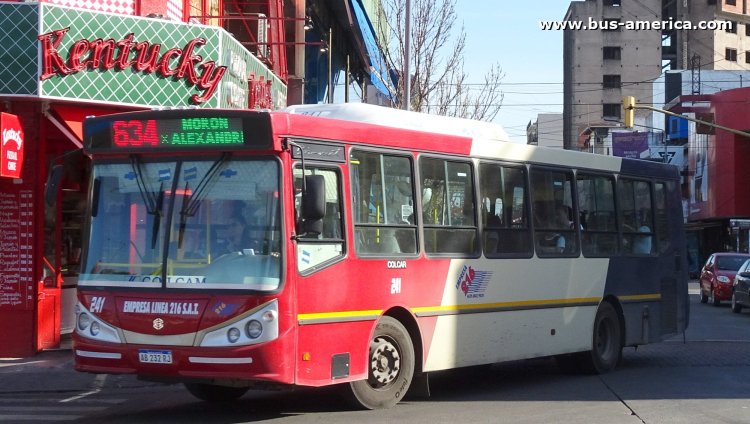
column 178, row 130
column 194, row 131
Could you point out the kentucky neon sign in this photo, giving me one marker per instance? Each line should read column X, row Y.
column 141, row 56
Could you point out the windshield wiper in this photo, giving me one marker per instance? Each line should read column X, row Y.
column 191, row 202
column 151, row 200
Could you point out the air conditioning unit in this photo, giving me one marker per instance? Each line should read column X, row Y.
column 262, row 35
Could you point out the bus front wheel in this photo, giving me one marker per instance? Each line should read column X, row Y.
column 214, row 393
column 391, row 367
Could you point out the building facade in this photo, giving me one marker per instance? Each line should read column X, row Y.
column 604, row 61
column 724, row 47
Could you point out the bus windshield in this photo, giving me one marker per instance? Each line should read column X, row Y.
column 193, row 224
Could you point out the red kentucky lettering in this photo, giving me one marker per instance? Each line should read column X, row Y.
column 140, row 56
column 52, row 63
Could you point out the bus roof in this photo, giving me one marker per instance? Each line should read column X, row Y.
column 399, row 118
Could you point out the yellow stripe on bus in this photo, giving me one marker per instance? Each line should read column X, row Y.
column 505, row 305
column 343, row 316
column 339, row 316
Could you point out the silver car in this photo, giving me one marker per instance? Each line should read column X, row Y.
column 741, row 288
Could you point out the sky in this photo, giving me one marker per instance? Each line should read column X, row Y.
column 507, row 32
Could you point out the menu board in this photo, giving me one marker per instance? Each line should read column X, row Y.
column 16, row 249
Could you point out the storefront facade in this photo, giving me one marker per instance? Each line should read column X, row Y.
column 57, row 66
column 718, row 206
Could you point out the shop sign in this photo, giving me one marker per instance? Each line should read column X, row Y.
column 260, row 93
column 141, row 56
column 12, row 146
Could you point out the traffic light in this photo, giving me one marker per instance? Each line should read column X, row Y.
column 628, row 108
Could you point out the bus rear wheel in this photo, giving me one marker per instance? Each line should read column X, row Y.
column 214, row 393
column 391, row 367
column 606, row 345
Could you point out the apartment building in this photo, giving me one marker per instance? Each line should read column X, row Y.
column 618, row 54
column 605, row 61
column 725, row 45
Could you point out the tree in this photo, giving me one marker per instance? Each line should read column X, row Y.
column 438, row 78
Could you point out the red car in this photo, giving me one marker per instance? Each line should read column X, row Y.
column 718, row 274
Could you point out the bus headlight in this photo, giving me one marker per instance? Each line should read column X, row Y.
column 91, row 327
column 253, row 329
column 258, row 326
column 233, row 335
column 84, row 320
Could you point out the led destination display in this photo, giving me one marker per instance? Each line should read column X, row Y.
column 194, row 131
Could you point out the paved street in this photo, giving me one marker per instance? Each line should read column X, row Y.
column 703, row 378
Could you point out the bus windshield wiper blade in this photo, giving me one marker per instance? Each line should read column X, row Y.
column 157, row 215
column 149, row 197
column 191, row 206
column 151, row 200
column 191, row 202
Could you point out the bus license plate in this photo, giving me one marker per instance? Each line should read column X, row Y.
column 155, row 356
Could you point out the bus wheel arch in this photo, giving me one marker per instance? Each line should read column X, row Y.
column 391, row 365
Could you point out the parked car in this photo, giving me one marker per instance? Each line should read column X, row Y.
column 717, row 276
column 741, row 288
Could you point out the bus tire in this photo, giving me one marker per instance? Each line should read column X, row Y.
column 214, row 393
column 606, row 342
column 390, row 367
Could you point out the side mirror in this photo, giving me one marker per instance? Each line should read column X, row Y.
column 52, row 185
column 745, row 274
column 314, row 204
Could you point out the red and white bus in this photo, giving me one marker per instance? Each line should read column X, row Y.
column 229, row 250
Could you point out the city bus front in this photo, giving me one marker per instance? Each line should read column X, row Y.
column 182, row 271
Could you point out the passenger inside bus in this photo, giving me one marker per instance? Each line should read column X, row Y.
column 642, row 244
column 236, row 238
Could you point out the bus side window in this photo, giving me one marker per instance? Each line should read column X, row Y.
column 596, row 198
column 661, row 191
column 505, row 229
column 383, row 204
column 448, row 212
column 321, row 249
column 636, row 215
column 555, row 223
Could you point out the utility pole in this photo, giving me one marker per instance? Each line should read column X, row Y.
column 407, row 55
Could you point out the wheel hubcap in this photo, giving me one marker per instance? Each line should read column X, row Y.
column 385, row 362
